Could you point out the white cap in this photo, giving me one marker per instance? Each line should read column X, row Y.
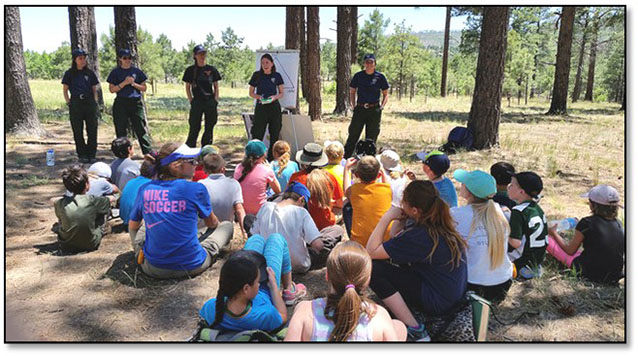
column 390, row 161
column 100, row 169
column 603, row 194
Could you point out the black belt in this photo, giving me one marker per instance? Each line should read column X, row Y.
column 368, row 105
column 82, row 97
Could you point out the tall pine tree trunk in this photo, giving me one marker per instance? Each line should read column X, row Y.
column 83, row 35
column 563, row 61
column 485, row 114
column 593, row 50
column 294, row 15
column 20, row 115
column 581, row 54
column 446, row 51
column 354, row 22
column 303, row 54
column 313, row 63
column 344, row 51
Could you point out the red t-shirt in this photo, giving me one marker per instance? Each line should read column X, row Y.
column 323, row 217
column 199, row 173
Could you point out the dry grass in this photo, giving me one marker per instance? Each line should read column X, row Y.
column 103, row 296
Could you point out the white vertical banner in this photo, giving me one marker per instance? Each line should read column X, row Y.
column 287, row 64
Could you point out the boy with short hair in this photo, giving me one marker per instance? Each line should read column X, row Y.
column 528, row 225
column 334, row 151
column 502, row 173
column 123, row 168
column 77, row 214
column 225, row 193
column 435, row 164
column 369, row 199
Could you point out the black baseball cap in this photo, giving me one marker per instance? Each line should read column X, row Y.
column 199, row 49
column 530, row 182
column 502, row 172
column 78, row 52
column 369, row 56
column 124, row 52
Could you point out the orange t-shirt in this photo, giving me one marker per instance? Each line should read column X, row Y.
column 369, row 202
column 323, row 217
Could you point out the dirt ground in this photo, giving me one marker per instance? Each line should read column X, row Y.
column 104, row 296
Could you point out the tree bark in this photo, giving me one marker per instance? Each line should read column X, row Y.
column 485, row 114
column 314, row 64
column 446, row 50
column 354, row 22
column 344, row 51
column 126, row 31
column 563, row 61
column 303, row 50
column 20, row 114
column 593, row 50
column 84, row 35
column 294, row 15
column 581, row 54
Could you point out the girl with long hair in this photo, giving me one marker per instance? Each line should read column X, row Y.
column 254, row 175
column 485, row 228
column 82, row 83
column 266, row 87
column 428, row 269
column 346, row 314
column 281, row 163
column 168, row 245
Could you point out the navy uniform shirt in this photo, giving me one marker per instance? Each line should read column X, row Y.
column 369, row 86
column 118, row 74
column 80, row 82
column 206, row 76
column 266, row 84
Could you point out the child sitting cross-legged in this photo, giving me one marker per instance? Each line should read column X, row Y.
column 346, row 314
column 255, row 175
column 369, row 199
column 248, row 296
column 601, row 235
column 77, row 214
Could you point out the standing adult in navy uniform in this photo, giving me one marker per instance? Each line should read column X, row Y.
column 200, row 80
column 267, row 86
column 82, row 83
column 129, row 82
column 367, row 84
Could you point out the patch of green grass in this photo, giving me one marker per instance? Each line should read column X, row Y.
column 32, row 180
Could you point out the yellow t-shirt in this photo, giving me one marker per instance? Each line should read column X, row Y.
column 337, row 171
column 369, row 202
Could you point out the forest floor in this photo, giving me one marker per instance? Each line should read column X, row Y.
column 104, row 296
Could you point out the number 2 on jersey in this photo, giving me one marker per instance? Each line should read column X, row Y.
column 537, row 224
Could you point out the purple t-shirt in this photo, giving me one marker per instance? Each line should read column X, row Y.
column 170, row 210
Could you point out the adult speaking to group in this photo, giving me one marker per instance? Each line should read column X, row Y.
column 367, row 84
column 267, row 87
column 129, row 82
column 82, row 83
column 200, row 80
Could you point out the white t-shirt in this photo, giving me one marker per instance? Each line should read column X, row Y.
column 295, row 224
column 397, row 186
column 478, row 256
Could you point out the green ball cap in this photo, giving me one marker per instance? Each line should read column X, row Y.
column 479, row 183
column 256, row 147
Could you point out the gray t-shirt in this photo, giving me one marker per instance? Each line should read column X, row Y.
column 123, row 170
column 99, row 187
column 224, row 193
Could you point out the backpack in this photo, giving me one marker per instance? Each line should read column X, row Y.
column 459, row 138
column 204, row 333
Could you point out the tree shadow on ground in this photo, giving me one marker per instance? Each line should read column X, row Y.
column 442, row 116
column 126, row 271
column 55, row 249
column 461, row 118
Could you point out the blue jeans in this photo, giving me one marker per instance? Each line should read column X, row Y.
column 275, row 250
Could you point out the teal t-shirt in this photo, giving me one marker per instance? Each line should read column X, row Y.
column 447, row 191
column 262, row 315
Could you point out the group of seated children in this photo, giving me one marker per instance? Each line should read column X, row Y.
column 410, row 242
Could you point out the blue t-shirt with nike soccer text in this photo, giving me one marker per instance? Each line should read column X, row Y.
column 369, row 86
column 118, row 75
column 170, row 210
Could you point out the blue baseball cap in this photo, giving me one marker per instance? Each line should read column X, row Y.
column 300, row 189
column 369, row 56
column 123, row 52
column 438, row 161
column 256, row 147
column 78, row 52
column 480, row 184
column 181, row 152
column 199, row 49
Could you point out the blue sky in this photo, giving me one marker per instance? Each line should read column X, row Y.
column 44, row 28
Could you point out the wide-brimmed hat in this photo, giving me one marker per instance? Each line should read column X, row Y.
column 312, row 155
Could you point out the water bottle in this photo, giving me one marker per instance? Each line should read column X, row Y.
column 50, row 157
column 564, row 224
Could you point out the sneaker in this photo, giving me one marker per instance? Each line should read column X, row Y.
column 292, row 296
column 529, row 273
column 419, row 334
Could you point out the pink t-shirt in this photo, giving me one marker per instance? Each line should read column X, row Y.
column 253, row 187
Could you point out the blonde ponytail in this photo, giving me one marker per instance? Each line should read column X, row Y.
column 487, row 213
